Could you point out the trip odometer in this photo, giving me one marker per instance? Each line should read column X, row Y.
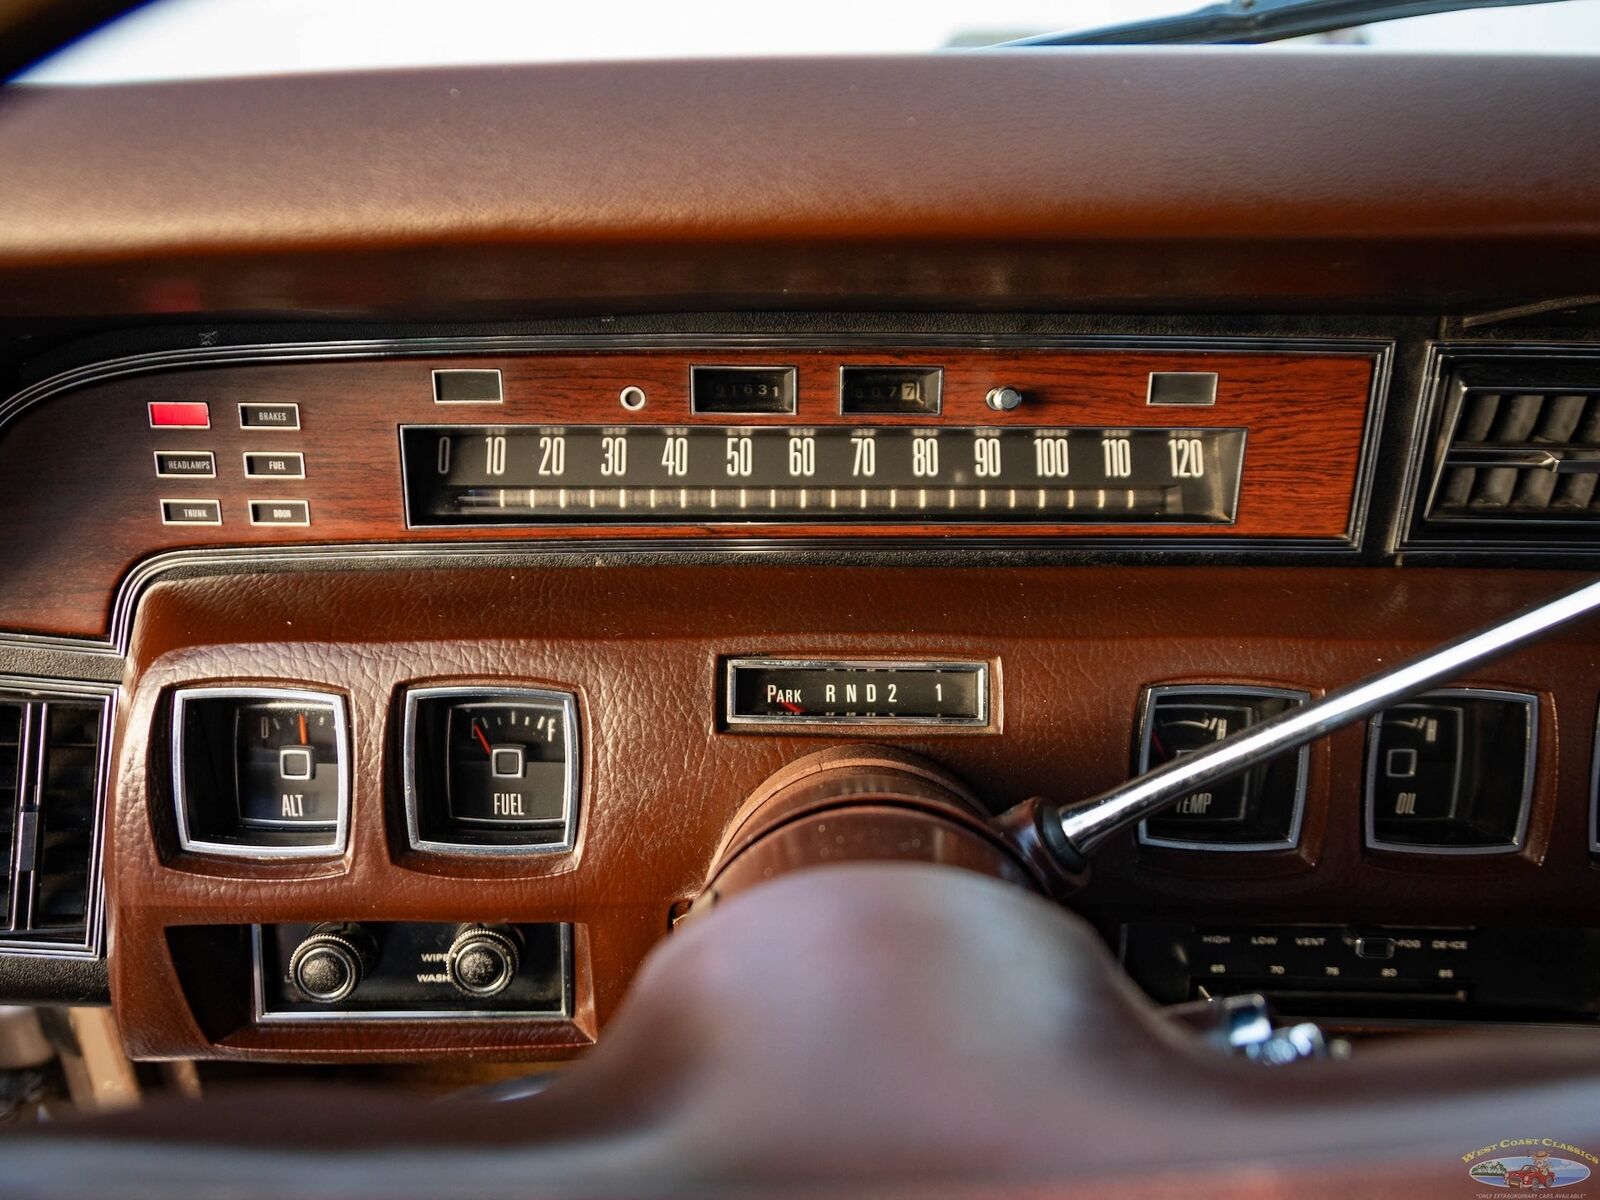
column 524, row 475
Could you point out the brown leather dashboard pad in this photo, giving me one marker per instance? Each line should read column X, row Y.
column 665, row 783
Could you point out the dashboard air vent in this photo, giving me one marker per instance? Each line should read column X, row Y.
column 11, row 715
column 1513, row 456
column 52, row 779
column 1523, row 456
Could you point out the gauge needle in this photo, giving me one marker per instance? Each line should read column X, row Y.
column 477, row 732
column 794, row 708
column 304, row 740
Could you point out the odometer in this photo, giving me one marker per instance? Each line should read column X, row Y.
column 522, row 475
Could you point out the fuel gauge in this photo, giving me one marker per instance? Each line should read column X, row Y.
column 490, row 770
column 508, row 762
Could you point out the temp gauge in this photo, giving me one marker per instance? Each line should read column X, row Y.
column 490, row 770
column 1257, row 809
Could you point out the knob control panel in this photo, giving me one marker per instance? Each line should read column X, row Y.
column 411, row 970
column 331, row 963
column 483, row 961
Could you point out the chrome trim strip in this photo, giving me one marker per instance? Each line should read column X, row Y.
column 568, row 702
column 341, row 829
column 977, row 667
column 1297, row 815
column 1530, row 701
column 263, row 1015
column 35, row 688
column 1089, row 823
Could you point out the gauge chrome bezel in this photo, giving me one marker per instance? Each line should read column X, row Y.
column 568, row 822
column 1157, row 692
column 192, row 844
column 1529, row 702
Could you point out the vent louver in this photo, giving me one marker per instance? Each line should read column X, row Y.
column 1511, row 456
column 51, row 782
column 11, row 715
column 1521, row 456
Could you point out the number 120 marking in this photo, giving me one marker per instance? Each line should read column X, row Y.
column 1188, row 458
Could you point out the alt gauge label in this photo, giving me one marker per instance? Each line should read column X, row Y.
column 774, row 691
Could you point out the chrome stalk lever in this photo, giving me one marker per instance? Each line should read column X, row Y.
column 1071, row 833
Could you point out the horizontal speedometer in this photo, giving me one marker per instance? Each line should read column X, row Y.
column 515, row 475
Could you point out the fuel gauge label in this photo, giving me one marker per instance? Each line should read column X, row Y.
column 805, row 692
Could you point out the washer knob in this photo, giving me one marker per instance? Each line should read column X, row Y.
column 1003, row 399
column 330, row 963
column 483, row 960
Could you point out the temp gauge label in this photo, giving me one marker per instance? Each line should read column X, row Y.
column 770, row 691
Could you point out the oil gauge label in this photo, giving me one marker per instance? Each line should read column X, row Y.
column 773, row 691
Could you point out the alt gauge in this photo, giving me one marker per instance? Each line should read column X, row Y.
column 260, row 771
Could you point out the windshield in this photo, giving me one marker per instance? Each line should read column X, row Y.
column 186, row 39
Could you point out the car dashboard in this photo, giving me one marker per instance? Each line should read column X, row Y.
column 409, row 599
